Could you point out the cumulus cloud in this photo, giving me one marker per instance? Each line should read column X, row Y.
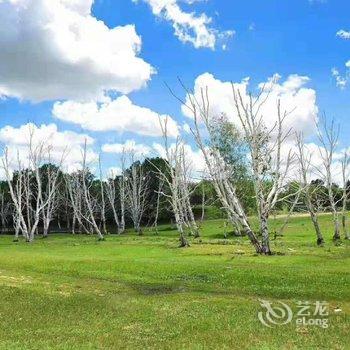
column 343, row 34
column 119, row 115
column 189, row 27
column 56, row 49
column 130, row 146
column 67, row 143
column 292, row 93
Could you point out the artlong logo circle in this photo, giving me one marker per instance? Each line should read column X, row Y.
column 275, row 315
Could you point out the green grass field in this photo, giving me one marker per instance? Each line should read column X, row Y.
column 130, row 292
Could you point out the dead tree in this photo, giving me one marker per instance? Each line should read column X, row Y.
column 111, row 192
column 187, row 211
column 203, row 202
column 136, row 190
column 16, row 225
column 16, row 189
column 293, row 204
column 328, row 136
column 89, row 199
column 76, row 201
column 27, row 194
column 103, row 201
column 305, row 169
column 51, row 173
column 36, row 159
column 115, row 191
column 156, row 214
column 270, row 164
column 219, row 172
column 83, row 201
column 122, row 194
column 171, row 176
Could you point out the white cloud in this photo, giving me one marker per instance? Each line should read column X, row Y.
column 343, row 34
column 292, row 93
column 67, row 143
column 340, row 80
column 189, row 27
column 114, row 115
column 56, row 49
column 130, row 146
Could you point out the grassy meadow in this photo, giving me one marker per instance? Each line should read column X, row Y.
column 142, row 292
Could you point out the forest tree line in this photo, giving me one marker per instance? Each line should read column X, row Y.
column 251, row 169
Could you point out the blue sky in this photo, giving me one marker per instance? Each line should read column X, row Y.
column 284, row 37
column 288, row 37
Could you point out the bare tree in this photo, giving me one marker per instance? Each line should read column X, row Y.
column 218, row 170
column 156, row 214
column 30, row 201
column 51, row 174
column 111, row 192
column 184, row 173
column 83, row 200
column 203, row 202
column 17, row 226
column 76, row 200
column 90, row 201
column 270, row 166
column 103, row 202
column 305, row 169
column 36, row 159
column 270, row 163
column 328, row 135
column 122, row 194
column 16, row 188
column 115, row 191
column 292, row 202
column 172, row 178
column 136, row 189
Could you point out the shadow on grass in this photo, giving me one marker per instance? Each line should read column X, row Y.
column 157, row 289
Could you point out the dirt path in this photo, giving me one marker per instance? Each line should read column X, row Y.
column 296, row 215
